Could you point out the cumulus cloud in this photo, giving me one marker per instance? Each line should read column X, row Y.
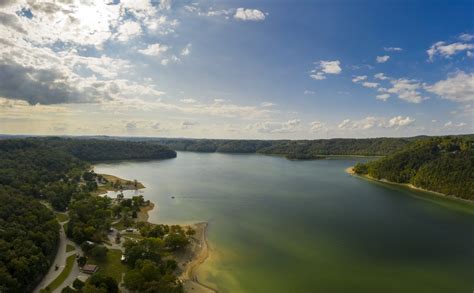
column 371, row 85
column 458, row 87
column 400, row 121
column 325, row 67
column 447, row 50
column 407, row 90
column 359, row 78
column 154, row 49
column 370, row 122
column 380, row 76
column 186, row 50
column 382, row 59
column 249, row 14
column 317, row 126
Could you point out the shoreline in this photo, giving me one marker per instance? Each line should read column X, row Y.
column 194, row 256
column 439, row 195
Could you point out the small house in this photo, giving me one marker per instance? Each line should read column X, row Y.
column 90, row 269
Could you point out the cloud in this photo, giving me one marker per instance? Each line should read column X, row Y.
column 128, row 30
column 186, row 50
column 380, row 76
column 370, row 122
column 188, row 101
column 371, row 85
column 308, row 92
column 165, row 4
column 447, row 50
column 317, row 126
column 393, row 49
column 408, row 90
column 249, row 14
column 383, row 97
column 457, row 88
column 267, row 104
column 359, row 78
column 400, row 121
column 466, row 37
column 325, row 67
column 382, row 59
column 276, row 127
column 187, row 124
column 154, row 49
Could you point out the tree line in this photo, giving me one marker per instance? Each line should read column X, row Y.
column 444, row 165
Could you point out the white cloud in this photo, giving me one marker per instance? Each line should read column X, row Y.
column 408, row 90
column 128, row 30
column 249, row 14
column 267, row 104
column 400, row 121
column 383, row 97
column 317, row 126
column 371, row 85
column 154, row 49
column 393, row 49
column 447, row 50
column 165, row 4
column 325, row 67
column 370, row 122
column 309, row 92
column 380, row 76
column 186, row 50
column 359, row 78
column 466, row 37
column 382, row 59
column 458, row 87
column 188, row 101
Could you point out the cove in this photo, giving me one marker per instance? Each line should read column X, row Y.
column 306, row 226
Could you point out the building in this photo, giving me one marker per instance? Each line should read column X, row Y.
column 89, row 269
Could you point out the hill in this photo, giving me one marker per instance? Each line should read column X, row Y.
column 444, row 165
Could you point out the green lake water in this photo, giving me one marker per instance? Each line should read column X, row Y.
column 306, row 226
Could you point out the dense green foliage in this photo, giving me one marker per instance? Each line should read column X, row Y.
column 150, row 272
column 28, row 239
column 292, row 149
column 443, row 165
column 54, row 170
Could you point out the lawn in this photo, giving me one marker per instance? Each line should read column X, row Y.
column 112, row 266
column 62, row 217
column 70, row 247
column 64, row 274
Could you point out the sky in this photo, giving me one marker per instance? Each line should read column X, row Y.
column 237, row 69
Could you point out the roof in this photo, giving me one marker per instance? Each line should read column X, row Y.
column 90, row 268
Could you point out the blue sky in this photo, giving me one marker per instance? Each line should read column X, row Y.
column 237, row 69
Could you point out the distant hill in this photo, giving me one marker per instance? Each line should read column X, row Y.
column 444, row 165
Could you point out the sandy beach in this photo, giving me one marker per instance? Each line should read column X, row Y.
column 195, row 255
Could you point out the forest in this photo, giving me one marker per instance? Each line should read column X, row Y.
column 39, row 175
column 444, row 165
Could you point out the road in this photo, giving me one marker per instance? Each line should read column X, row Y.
column 60, row 261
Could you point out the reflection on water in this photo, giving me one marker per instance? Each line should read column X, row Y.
column 306, row 226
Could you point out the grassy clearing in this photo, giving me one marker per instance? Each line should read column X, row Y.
column 62, row 217
column 64, row 274
column 112, row 266
column 70, row 247
column 132, row 235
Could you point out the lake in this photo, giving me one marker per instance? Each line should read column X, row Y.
column 306, row 226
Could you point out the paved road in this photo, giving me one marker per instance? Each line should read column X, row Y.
column 59, row 260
